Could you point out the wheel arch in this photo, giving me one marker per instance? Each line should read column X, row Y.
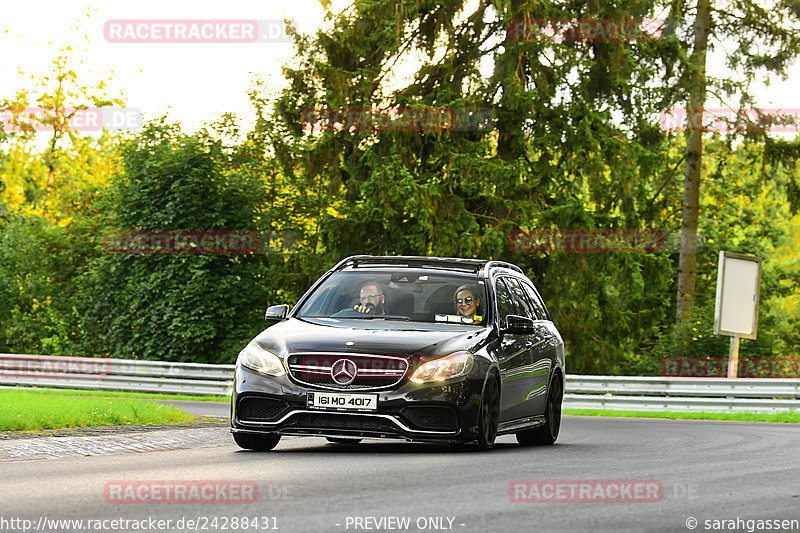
column 557, row 373
column 493, row 372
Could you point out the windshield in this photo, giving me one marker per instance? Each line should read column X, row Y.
column 417, row 295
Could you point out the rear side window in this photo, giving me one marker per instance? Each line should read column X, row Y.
column 536, row 300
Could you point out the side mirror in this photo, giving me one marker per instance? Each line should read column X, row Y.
column 276, row 313
column 519, row 325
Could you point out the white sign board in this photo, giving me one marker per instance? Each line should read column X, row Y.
column 736, row 312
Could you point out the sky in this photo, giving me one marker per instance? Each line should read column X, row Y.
column 192, row 83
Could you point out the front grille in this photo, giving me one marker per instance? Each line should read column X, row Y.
column 323, row 421
column 432, row 417
column 256, row 408
column 371, row 371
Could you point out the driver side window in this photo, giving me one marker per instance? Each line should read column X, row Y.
column 505, row 302
column 525, row 308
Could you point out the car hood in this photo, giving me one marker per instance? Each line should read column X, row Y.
column 391, row 338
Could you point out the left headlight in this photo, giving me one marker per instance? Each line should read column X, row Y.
column 257, row 358
column 452, row 366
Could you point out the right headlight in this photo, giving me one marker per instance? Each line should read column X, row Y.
column 452, row 366
column 257, row 358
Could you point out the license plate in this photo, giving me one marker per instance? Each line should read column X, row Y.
column 343, row 401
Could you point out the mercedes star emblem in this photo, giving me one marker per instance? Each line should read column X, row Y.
column 344, row 371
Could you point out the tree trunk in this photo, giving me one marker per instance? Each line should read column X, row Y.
column 687, row 268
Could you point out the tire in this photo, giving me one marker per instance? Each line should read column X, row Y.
column 548, row 433
column 342, row 440
column 259, row 443
column 489, row 418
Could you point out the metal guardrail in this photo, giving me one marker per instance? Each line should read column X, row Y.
column 763, row 395
column 87, row 373
column 676, row 386
column 582, row 392
column 681, row 404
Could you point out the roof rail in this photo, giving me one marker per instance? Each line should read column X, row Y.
column 411, row 260
column 418, row 261
column 503, row 264
column 344, row 262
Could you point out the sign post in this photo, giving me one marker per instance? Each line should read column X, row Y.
column 736, row 311
column 733, row 357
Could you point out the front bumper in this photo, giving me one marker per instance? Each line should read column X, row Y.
column 433, row 412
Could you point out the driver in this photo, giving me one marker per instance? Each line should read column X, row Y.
column 372, row 299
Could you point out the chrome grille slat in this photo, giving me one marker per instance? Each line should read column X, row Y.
column 373, row 371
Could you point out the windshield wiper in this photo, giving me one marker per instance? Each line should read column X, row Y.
column 375, row 317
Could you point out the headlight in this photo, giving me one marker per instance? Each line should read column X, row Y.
column 449, row 367
column 260, row 360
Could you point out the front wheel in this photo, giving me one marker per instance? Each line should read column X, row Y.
column 548, row 433
column 259, row 443
column 489, row 415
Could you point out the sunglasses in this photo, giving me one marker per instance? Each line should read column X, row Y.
column 369, row 297
column 468, row 300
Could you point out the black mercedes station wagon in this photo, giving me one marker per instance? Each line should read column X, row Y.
column 416, row 348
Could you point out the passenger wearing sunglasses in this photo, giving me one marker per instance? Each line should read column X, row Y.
column 467, row 302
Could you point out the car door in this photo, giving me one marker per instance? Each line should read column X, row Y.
column 513, row 354
column 549, row 345
column 540, row 361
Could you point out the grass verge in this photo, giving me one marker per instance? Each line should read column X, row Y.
column 791, row 418
column 127, row 394
column 26, row 410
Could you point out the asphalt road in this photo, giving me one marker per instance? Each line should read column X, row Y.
column 706, row 471
column 218, row 409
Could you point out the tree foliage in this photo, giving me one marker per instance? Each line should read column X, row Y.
column 177, row 306
column 533, row 143
column 419, row 128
